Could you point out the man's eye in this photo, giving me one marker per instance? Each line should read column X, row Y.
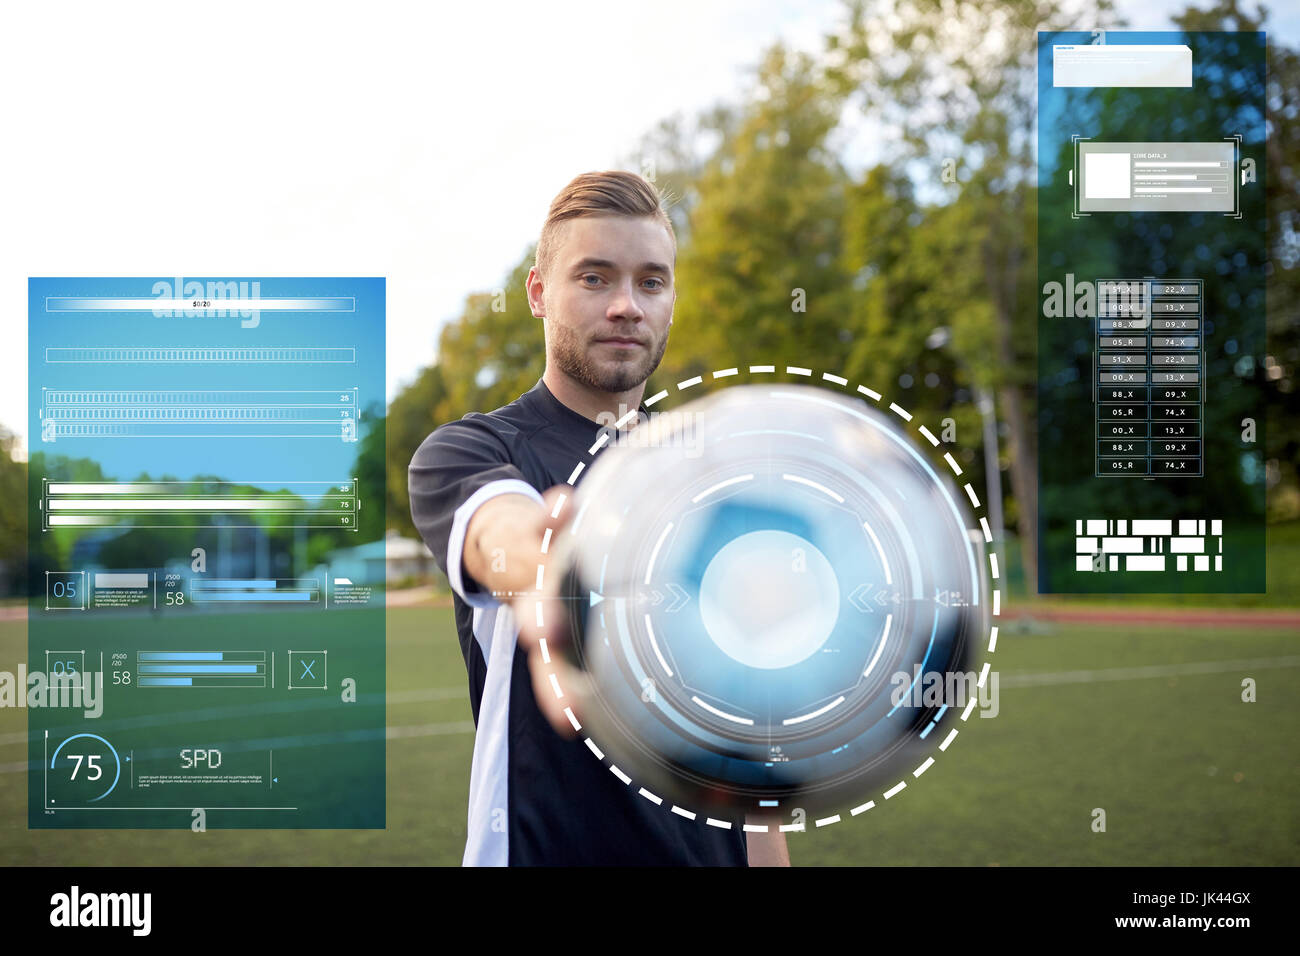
column 658, row 284
column 595, row 279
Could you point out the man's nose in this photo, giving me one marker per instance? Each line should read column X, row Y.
column 624, row 304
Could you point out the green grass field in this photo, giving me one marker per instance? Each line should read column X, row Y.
column 1187, row 773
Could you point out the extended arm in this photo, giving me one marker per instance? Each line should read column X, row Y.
column 767, row 849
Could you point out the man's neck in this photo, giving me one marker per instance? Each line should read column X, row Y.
column 591, row 402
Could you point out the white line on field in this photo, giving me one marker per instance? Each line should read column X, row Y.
column 1044, row 679
column 1143, row 673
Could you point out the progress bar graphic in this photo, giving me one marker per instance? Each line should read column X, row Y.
column 181, row 504
column 256, row 591
column 194, row 413
column 201, row 668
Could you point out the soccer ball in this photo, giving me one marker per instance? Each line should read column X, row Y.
column 765, row 587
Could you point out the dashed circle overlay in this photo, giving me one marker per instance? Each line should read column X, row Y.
column 996, row 608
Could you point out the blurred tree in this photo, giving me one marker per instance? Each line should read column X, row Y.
column 910, row 264
column 412, row 416
column 761, row 278
column 494, row 352
column 487, row 357
column 674, row 155
column 955, row 85
column 13, row 521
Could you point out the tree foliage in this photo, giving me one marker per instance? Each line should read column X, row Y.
column 920, row 282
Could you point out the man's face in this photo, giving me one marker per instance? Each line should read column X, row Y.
column 607, row 300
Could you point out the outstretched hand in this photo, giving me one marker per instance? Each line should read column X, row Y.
column 543, row 622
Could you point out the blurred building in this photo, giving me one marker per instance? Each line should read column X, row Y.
column 395, row 558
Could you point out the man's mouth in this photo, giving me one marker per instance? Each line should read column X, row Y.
column 620, row 342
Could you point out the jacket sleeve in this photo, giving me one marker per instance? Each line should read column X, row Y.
column 454, row 471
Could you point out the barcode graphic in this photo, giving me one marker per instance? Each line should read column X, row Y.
column 1148, row 544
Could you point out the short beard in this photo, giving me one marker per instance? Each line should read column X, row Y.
column 571, row 357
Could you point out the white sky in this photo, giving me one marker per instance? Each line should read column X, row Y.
column 266, row 139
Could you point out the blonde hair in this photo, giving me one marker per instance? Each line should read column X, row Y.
column 612, row 192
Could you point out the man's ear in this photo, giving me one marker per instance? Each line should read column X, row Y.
column 533, row 288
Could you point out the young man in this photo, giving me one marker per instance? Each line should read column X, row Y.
column 482, row 490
